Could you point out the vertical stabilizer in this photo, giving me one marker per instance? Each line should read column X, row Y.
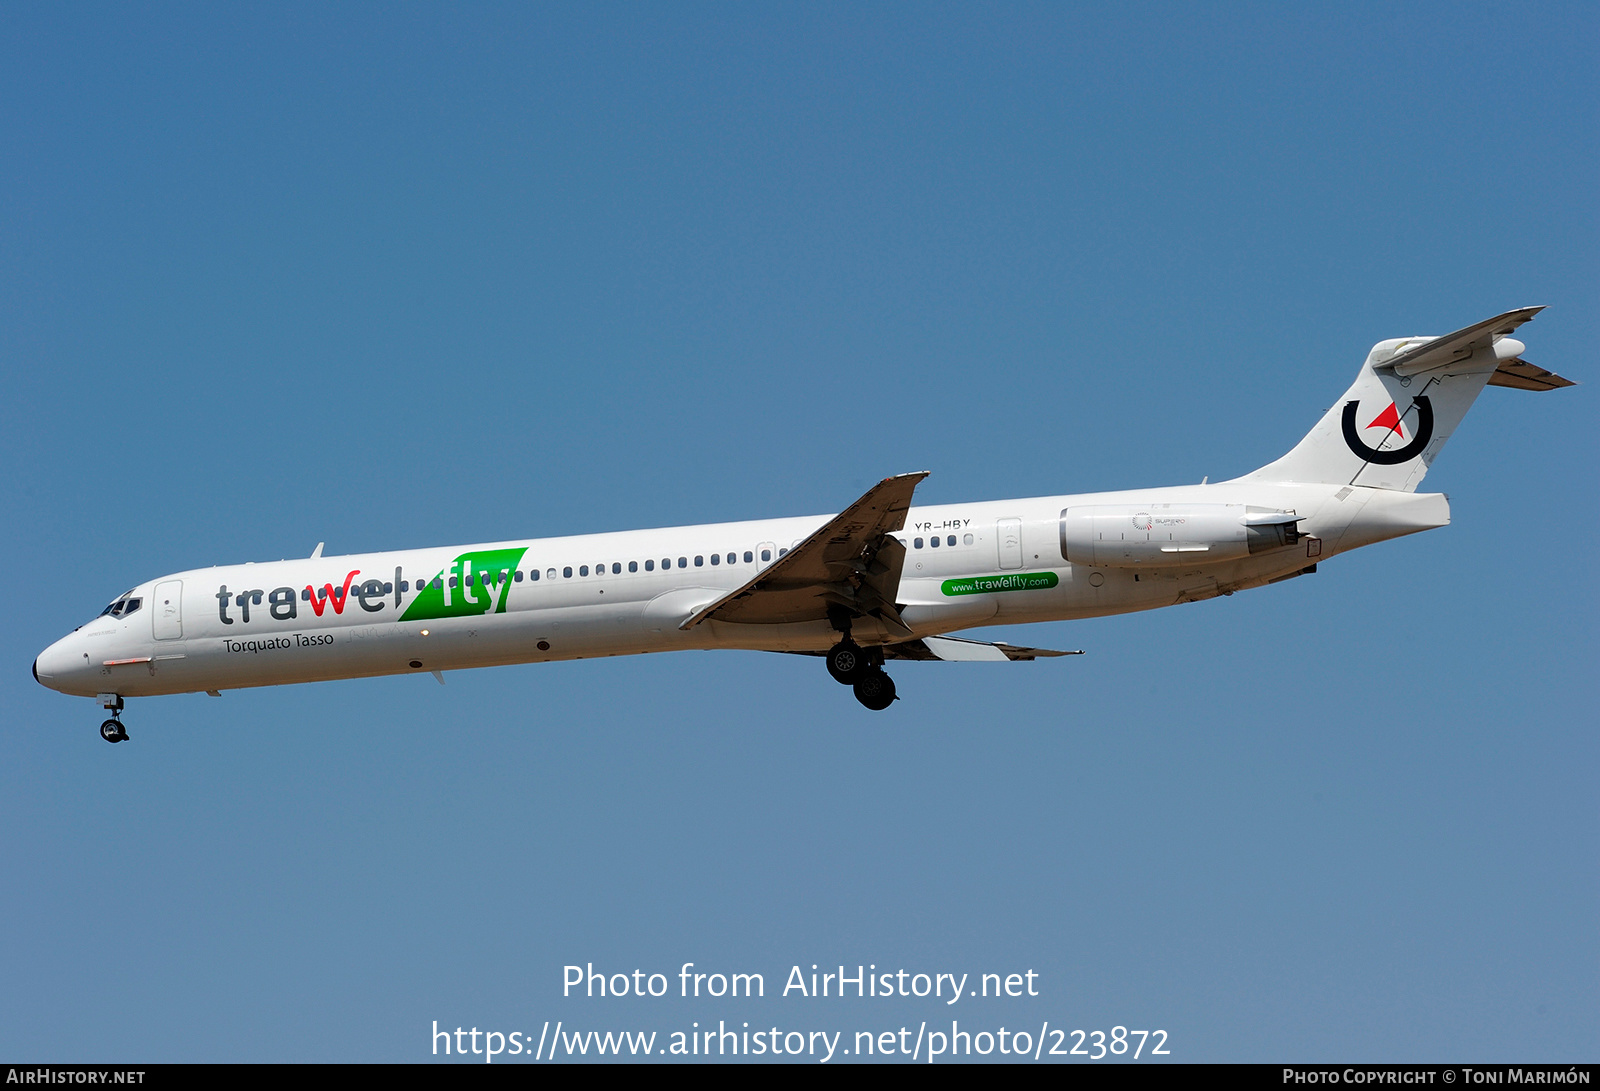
column 1406, row 401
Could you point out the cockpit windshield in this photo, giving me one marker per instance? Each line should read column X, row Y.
column 124, row 606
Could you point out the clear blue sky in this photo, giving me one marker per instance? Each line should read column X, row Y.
column 390, row 276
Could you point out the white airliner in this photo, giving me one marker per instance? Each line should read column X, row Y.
column 882, row 580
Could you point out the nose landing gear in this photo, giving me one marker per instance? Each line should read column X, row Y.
column 112, row 730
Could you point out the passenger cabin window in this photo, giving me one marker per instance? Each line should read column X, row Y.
column 616, row 568
column 700, row 562
column 516, row 577
column 683, row 562
column 716, row 558
column 633, row 566
column 933, row 543
column 966, row 539
column 917, row 542
column 649, row 566
column 950, row 539
column 749, row 557
column 766, row 554
column 567, row 572
column 583, row 570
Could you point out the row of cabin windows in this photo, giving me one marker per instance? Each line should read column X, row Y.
column 666, row 563
column 489, row 579
column 125, row 606
column 486, row 579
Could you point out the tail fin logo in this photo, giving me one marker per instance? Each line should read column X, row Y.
column 1389, row 419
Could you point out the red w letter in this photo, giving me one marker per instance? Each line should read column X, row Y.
column 340, row 596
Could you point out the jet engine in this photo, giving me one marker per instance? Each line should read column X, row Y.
column 1158, row 535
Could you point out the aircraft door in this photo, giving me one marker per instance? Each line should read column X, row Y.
column 167, row 613
column 1009, row 536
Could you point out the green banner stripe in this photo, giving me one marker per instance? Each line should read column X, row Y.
column 1018, row 581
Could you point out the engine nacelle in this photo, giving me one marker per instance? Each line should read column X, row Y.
column 1154, row 535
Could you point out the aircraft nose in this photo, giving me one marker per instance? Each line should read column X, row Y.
column 54, row 666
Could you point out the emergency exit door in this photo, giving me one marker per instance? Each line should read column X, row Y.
column 1009, row 536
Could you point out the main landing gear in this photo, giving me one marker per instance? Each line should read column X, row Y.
column 862, row 669
column 112, row 730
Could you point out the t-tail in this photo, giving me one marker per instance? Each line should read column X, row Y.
column 1406, row 402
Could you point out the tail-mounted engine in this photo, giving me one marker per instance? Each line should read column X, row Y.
column 1129, row 536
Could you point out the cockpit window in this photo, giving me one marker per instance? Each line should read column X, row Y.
column 122, row 607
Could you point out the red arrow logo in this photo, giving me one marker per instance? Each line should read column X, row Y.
column 1389, row 419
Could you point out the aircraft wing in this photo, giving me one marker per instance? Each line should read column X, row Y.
column 852, row 562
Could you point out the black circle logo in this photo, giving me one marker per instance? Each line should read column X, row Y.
column 1352, row 438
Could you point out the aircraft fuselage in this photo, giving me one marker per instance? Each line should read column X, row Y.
column 625, row 593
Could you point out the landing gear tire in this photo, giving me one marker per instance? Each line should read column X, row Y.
column 111, row 731
column 875, row 689
column 847, row 663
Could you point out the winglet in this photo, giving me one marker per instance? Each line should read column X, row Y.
column 315, row 553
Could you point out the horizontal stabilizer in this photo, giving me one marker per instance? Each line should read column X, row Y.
column 1437, row 352
column 1521, row 375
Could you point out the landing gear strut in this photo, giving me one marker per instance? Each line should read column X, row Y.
column 112, row 730
column 862, row 668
